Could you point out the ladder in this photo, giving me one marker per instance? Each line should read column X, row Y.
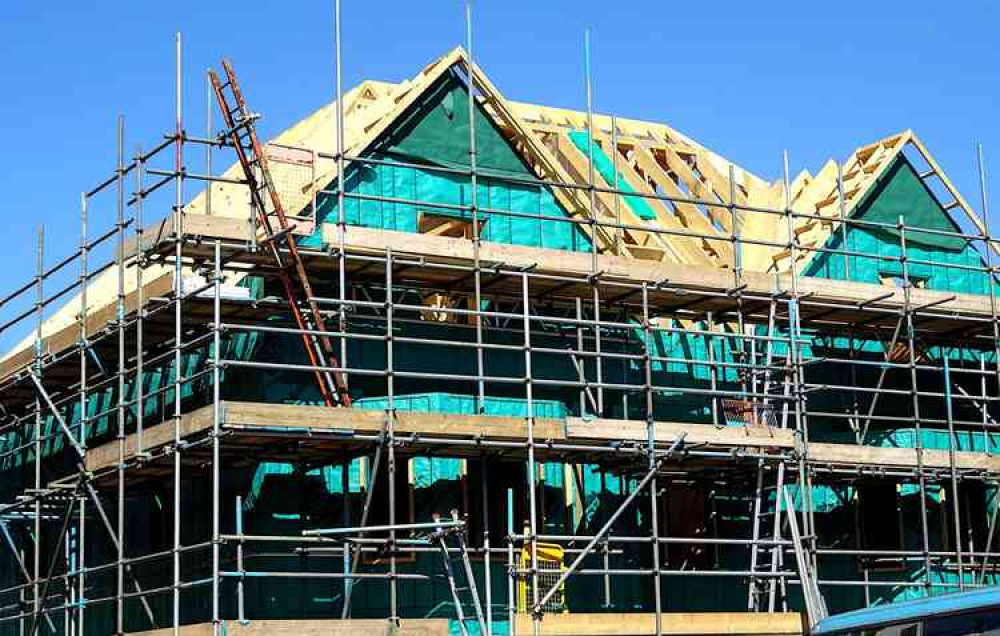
column 784, row 514
column 763, row 574
column 242, row 133
column 440, row 537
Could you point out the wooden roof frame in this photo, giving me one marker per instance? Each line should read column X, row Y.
column 370, row 108
column 861, row 173
column 524, row 142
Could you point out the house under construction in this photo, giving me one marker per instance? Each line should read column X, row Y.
column 439, row 361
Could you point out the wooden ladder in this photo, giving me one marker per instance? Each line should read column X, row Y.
column 242, row 133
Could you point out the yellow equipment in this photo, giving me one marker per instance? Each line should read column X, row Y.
column 551, row 564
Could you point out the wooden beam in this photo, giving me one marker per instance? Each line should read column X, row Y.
column 698, row 188
column 973, row 217
column 577, row 161
column 672, row 624
column 692, row 277
column 309, row 421
column 695, row 247
column 98, row 319
column 694, row 218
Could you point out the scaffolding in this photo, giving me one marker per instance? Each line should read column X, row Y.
column 177, row 294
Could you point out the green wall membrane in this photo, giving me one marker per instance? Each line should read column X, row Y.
column 290, row 499
column 501, row 397
column 536, row 223
column 466, row 404
column 102, row 424
column 677, row 370
column 436, row 130
column 896, row 515
column 435, row 134
column 147, row 530
column 285, row 498
column 828, row 402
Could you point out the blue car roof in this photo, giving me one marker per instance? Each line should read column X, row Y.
column 910, row 610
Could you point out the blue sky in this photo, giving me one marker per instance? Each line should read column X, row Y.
column 746, row 79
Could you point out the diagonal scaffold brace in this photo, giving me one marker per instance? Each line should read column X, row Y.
column 91, row 492
column 9, row 539
column 241, row 132
column 677, row 444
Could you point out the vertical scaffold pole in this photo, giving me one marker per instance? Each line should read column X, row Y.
column 216, row 432
column 795, row 361
column 512, row 576
column 140, row 310
column 477, row 297
column 618, row 238
column 120, row 389
column 390, row 428
column 915, row 401
column 70, row 596
column 209, row 134
column 842, row 207
column 736, row 221
column 651, row 458
column 218, row 627
column 474, row 203
column 341, row 213
column 487, row 556
column 84, row 419
column 591, row 191
column 952, row 468
column 988, row 255
column 618, row 198
column 797, row 376
column 991, row 281
column 595, row 287
column 241, row 613
column 532, row 467
column 36, row 551
column 178, row 229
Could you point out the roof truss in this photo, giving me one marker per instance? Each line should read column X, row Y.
column 820, row 195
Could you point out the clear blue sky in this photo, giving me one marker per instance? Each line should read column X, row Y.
column 747, row 79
